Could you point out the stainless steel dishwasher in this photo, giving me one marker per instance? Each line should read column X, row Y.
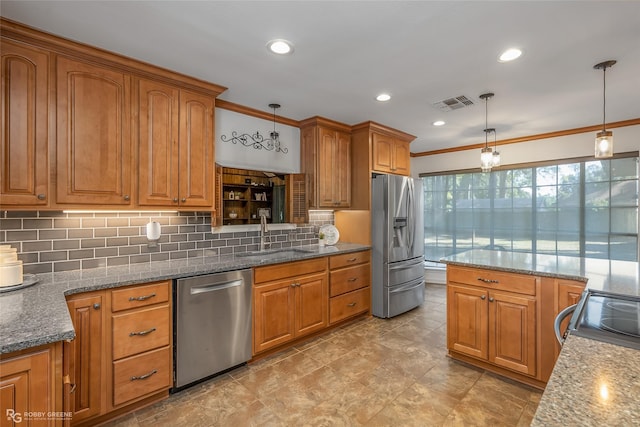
column 212, row 325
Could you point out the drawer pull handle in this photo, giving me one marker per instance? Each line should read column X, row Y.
column 145, row 376
column 352, row 259
column 353, row 279
column 73, row 388
column 142, row 298
column 353, row 304
column 147, row 332
column 487, row 280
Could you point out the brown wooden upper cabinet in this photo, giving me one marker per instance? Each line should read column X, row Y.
column 326, row 160
column 176, row 146
column 390, row 155
column 93, row 155
column 25, row 86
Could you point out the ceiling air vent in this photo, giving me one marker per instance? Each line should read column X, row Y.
column 451, row 104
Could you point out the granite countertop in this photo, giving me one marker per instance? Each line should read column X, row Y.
column 593, row 384
column 622, row 277
column 38, row 314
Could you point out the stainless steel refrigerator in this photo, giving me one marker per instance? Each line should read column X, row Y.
column 398, row 245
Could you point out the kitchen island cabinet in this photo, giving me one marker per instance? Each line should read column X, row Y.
column 494, row 322
column 552, row 282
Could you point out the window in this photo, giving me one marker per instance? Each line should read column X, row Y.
column 586, row 208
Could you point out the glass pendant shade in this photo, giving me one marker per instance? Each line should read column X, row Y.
column 496, row 159
column 604, row 144
column 486, row 159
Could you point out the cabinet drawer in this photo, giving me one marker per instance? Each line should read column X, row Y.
column 139, row 296
column 139, row 375
column 349, row 279
column 141, row 330
column 520, row 283
column 345, row 260
column 350, row 304
column 289, row 269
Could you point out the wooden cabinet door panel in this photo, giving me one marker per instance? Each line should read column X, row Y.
column 196, row 150
column 341, row 164
column 25, row 386
column 401, row 158
column 24, row 153
column 326, row 167
column 467, row 320
column 86, row 353
column 512, row 332
column 382, row 153
column 158, row 144
column 273, row 315
column 311, row 303
column 93, row 143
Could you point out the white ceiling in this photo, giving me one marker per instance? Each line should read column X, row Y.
column 346, row 52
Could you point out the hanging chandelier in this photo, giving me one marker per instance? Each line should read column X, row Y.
column 604, row 138
column 486, row 154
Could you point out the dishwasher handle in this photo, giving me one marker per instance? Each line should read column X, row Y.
column 215, row 287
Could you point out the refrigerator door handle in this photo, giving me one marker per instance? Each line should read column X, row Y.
column 405, row 265
column 410, row 215
column 411, row 285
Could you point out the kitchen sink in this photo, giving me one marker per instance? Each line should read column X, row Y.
column 275, row 252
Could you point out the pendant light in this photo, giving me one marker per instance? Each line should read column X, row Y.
column 496, row 153
column 604, row 138
column 486, row 155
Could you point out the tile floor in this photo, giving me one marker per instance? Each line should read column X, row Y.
column 372, row 372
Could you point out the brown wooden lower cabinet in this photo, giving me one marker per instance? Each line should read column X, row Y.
column 350, row 285
column 30, row 383
column 503, row 321
column 293, row 300
column 121, row 357
column 289, row 301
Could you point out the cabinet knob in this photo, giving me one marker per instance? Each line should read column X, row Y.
column 96, row 306
column 175, row 200
column 483, row 297
column 41, row 197
column 184, row 199
column 126, row 197
column 491, row 299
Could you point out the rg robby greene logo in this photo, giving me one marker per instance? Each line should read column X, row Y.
column 14, row 416
column 18, row 417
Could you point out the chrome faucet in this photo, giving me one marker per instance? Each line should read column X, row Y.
column 263, row 230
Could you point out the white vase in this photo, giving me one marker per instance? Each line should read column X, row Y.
column 321, row 242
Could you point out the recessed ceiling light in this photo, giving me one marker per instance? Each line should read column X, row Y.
column 438, row 123
column 383, row 97
column 510, row 55
column 280, row 46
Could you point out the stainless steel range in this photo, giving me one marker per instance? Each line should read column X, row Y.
column 607, row 317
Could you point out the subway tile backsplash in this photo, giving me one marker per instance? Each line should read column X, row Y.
column 58, row 241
